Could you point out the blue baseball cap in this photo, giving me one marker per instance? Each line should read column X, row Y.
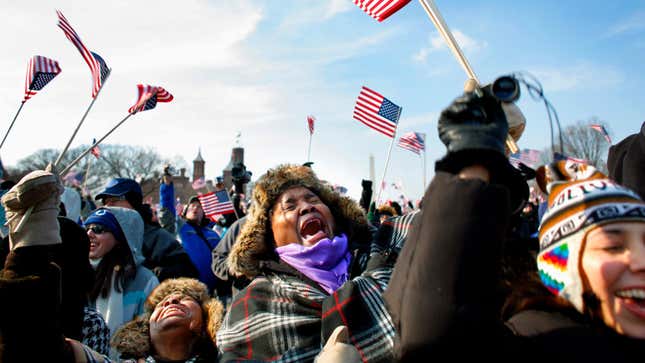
column 121, row 187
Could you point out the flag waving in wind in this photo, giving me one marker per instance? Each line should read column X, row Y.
column 216, row 204
column 89, row 57
column 148, row 98
column 310, row 123
column 40, row 71
column 377, row 112
column 95, row 150
column 602, row 130
column 413, row 141
column 380, row 9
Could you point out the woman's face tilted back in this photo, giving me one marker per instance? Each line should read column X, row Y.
column 613, row 268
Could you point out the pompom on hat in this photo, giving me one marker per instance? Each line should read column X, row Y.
column 580, row 198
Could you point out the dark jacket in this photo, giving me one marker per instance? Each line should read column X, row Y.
column 442, row 294
column 231, row 284
column 626, row 162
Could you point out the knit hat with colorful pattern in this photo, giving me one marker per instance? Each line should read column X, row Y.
column 580, row 198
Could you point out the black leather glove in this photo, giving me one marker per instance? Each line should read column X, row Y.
column 366, row 184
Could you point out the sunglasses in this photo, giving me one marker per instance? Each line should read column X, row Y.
column 97, row 229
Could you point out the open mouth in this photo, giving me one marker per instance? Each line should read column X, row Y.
column 313, row 230
column 634, row 300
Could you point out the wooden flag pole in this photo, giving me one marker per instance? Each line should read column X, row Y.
column 12, row 122
column 387, row 160
column 309, row 149
column 434, row 14
column 93, row 146
column 60, row 157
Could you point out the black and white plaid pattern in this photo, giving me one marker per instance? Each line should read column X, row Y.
column 95, row 332
column 392, row 234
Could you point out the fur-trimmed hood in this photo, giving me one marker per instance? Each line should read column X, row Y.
column 132, row 340
column 255, row 242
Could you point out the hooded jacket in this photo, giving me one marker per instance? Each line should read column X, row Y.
column 118, row 308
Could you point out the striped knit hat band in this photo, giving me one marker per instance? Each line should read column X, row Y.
column 578, row 202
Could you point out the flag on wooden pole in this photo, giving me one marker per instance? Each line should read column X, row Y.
column 310, row 123
column 602, row 130
column 377, row 112
column 148, row 98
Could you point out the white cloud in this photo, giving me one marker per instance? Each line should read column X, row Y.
column 633, row 23
column 437, row 43
column 577, row 76
column 308, row 13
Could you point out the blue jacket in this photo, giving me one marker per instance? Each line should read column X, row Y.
column 200, row 249
column 167, row 197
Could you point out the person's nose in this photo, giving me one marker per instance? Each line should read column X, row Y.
column 637, row 256
column 306, row 207
column 171, row 300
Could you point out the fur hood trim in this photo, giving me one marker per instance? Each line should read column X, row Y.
column 132, row 340
column 255, row 242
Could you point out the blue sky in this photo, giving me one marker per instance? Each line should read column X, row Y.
column 260, row 67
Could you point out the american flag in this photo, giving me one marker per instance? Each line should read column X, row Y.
column 40, row 71
column 216, row 204
column 90, row 58
column 413, row 141
column 377, row 112
column 310, row 123
column 559, row 157
column 148, row 98
column 527, row 157
column 199, row 183
column 602, row 130
column 380, row 9
column 73, row 178
column 95, row 150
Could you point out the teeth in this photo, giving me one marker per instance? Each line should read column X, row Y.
column 632, row 294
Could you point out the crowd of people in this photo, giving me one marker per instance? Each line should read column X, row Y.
column 480, row 266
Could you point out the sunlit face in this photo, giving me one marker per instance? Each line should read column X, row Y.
column 194, row 212
column 299, row 216
column 102, row 241
column 178, row 313
column 613, row 266
column 116, row 202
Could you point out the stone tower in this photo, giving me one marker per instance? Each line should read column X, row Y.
column 198, row 166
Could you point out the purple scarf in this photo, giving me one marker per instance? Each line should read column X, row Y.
column 326, row 262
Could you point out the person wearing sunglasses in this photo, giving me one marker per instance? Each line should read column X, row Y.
column 122, row 282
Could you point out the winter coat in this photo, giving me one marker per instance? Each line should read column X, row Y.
column 119, row 308
column 297, row 316
column 199, row 243
column 230, row 284
column 164, row 254
column 626, row 162
column 442, row 294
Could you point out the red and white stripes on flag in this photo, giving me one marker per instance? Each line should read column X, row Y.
column 413, row 141
column 148, row 98
column 377, row 112
column 602, row 130
column 95, row 150
column 40, row 71
column 95, row 66
column 310, row 123
column 528, row 157
column 215, row 204
column 381, row 9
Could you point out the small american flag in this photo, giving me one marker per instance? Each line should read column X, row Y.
column 216, row 204
column 527, row 157
column 148, row 98
column 73, row 178
column 381, row 9
column 199, row 183
column 89, row 57
column 95, row 150
column 559, row 157
column 413, row 141
column 377, row 112
column 602, row 130
column 40, row 71
column 310, row 123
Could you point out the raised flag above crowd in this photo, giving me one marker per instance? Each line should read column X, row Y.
column 527, row 157
column 148, row 98
column 413, row 141
column 380, row 9
column 377, row 112
column 89, row 57
column 95, row 150
column 310, row 123
column 40, row 71
column 216, row 204
column 602, row 130
column 199, row 183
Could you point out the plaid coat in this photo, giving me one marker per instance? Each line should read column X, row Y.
column 284, row 316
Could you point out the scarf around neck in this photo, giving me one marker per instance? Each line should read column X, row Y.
column 326, row 262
